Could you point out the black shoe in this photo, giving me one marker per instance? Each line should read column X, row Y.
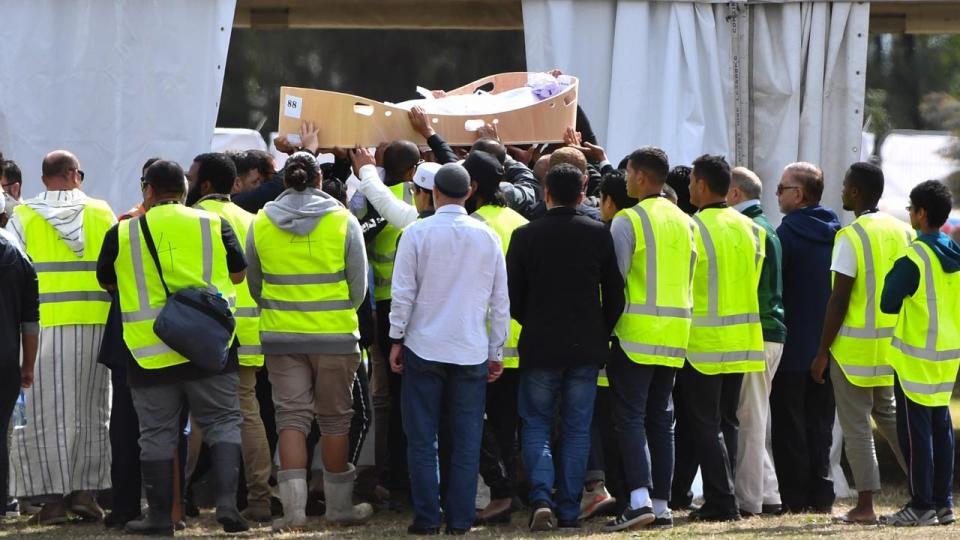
column 704, row 514
column 158, row 483
column 663, row 521
column 569, row 524
column 116, row 520
column 226, row 459
column 631, row 518
column 772, row 509
column 542, row 518
column 450, row 531
column 416, row 530
column 747, row 515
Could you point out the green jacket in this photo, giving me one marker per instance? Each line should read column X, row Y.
column 770, row 291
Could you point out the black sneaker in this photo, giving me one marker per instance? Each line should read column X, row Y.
column 663, row 521
column 945, row 515
column 417, row 530
column 11, row 509
column 713, row 515
column 631, row 519
column 455, row 532
column 542, row 518
column 568, row 524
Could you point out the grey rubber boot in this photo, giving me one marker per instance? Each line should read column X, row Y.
column 292, row 484
column 338, row 488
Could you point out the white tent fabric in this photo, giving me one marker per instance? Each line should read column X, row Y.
column 765, row 84
column 114, row 81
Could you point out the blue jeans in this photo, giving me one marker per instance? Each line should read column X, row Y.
column 460, row 392
column 926, row 439
column 643, row 416
column 541, row 390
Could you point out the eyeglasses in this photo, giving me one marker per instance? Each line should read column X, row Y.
column 143, row 184
column 781, row 188
column 8, row 184
column 79, row 171
column 909, row 208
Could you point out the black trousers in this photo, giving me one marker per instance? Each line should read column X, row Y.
column 802, row 414
column 9, row 392
column 395, row 477
column 706, row 435
column 125, row 448
column 498, row 450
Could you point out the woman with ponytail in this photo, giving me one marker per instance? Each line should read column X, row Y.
column 308, row 273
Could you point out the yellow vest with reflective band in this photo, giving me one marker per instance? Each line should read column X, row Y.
column 925, row 349
column 191, row 252
column 305, row 288
column 655, row 325
column 504, row 221
column 726, row 336
column 864, row 339
column 248, row 312
column 384, row 248
column 69, row 290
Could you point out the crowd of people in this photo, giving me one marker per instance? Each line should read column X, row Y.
column 581, row 336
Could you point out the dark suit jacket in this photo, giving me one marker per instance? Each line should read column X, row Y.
column 565, row 289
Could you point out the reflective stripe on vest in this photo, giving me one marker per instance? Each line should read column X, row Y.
column 134, row 263
column 925, row 349
column 655, row 325
column 69, row 291
column 504, row 221
column 862, row 344
column 247, row 313
column 602, row 380
column 733, row 342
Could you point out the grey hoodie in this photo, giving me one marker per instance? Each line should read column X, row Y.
column 299, row 212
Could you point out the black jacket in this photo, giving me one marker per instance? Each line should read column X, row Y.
column 19, row 300
column 565, row 289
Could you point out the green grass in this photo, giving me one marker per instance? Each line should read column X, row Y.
column 386, row 525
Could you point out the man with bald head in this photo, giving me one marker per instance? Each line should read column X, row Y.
column 62, row 456
column 802, row 411
column 755, row 478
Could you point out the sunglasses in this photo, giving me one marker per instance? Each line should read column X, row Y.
column 79, row 171
column 781, row 188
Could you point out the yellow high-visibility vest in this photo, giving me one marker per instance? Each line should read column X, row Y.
column 191, row 253
column 655, row 325
column 383, row 251
column 305, row 289
column 726, row 336
column 863, row 342
column 504, row 221
column 925, row 349
column 69, row 290
column 248, row 312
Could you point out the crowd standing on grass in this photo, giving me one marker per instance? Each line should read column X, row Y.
column 580, row 336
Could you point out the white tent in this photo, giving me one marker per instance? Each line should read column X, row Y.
column 764, row 83
column 113, row 81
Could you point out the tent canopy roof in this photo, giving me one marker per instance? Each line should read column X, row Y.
column 895, row 16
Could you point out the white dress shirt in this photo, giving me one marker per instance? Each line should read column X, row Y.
column 450, row 301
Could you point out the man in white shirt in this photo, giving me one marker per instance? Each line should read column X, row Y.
column 448, row 324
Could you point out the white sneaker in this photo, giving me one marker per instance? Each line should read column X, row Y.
column 911, row 517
